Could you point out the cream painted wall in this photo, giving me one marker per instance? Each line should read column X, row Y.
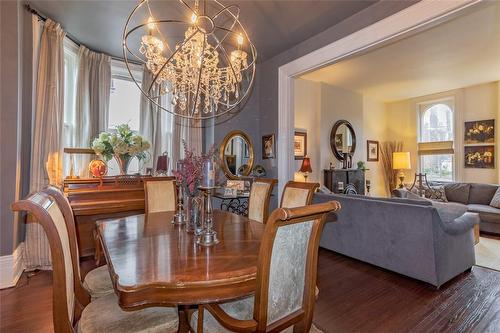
column 338, row 104
column 307, row 117
column 375, row 128
column 317, row 107
column 471, row 103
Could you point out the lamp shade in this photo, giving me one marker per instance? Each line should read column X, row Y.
column 306, row 165
column 401, row 161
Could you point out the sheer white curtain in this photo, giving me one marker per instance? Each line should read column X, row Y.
column 92, row 100
column 189, row 131
column 46, row 153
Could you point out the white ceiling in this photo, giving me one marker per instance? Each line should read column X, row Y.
column 459, row 53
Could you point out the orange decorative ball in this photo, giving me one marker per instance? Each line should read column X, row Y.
column 98, row 168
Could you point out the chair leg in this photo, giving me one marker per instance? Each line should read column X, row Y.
column 199, row 327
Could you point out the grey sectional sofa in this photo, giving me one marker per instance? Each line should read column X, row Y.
column 476, row 197
column 429, row 242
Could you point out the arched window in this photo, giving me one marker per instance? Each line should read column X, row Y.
column 436, row 136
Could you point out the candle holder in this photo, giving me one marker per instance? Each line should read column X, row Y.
column 208, row 236
column 179, row 217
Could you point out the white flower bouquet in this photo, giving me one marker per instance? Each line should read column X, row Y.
column 123, row 145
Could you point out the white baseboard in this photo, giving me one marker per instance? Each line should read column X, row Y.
column 11, row 267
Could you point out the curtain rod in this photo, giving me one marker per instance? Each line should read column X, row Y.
column 70, row 37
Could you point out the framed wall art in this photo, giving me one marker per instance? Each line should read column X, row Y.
column 268, row 147
column 372, row 151
column 479, row 157
column 479, row 131
column 300, row 145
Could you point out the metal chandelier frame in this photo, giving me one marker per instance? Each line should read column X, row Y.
column 190, row 109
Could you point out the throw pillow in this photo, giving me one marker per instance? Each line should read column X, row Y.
column 436, row 193
column 457, row 192
column 495, row 201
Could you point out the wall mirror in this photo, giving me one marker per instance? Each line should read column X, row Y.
column 236, row 154
column 342, row 139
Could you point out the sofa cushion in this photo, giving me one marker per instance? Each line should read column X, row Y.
column 436, row 193
column 486, row 212
column 457, row 192
column 481, row 193
column 495, row 201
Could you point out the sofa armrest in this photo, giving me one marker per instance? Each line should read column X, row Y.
column 461, row 224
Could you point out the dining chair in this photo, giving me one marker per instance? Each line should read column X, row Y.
column 297, row 194
column 97, row 281
column 286, row 276
column 71, row 309
column 260, row 195
column 160, row 194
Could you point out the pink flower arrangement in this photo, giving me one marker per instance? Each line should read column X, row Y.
column 191, row 172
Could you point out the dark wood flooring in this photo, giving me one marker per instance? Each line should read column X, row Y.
column 354, row 297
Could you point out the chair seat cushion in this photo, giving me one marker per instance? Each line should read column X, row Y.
column 98, row 282
column 241, row 309
column 105, row 315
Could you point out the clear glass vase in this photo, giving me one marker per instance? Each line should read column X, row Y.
column 193, row 211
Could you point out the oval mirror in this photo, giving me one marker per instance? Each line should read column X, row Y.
column 236, row 154
column 342, row 139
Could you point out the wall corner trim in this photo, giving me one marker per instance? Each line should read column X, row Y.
column 11, row 267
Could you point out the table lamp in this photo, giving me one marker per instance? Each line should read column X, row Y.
column 401, row 161
column 305, row 168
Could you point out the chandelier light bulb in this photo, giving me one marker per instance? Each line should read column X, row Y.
column 239, row 39
column 194, row 17
column 151, row 24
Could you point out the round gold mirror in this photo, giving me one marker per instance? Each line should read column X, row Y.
column 236, row 154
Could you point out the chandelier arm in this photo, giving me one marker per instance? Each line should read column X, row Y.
column 230, row 30
column 191, row 9
column 156, row 27
column 126, row 36
column 199, row 78
column 227, row 8
column 169, row 58
column 226, row 56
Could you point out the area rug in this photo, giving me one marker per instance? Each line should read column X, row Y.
column 488, row 253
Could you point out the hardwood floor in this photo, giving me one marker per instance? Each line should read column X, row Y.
column 354, row 297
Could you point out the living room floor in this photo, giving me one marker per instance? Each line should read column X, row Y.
column 354, row 297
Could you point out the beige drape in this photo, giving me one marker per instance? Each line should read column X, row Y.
column 46, row 154
column 151, row 120
column 189, row 131
column 92, row 100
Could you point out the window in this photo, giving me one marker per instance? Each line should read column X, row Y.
column 124, row 106
column 436, row 139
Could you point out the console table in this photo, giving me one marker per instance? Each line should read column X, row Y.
column 354, row 177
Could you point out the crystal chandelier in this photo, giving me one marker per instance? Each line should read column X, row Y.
column 202, row 78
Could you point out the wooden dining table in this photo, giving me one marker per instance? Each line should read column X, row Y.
column 153, row 262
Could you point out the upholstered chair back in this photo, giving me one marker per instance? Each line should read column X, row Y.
column 160, row 194
column 258, row 202
column 65, row 207
column 46, row 212
column 297, row 194
column 286, row 271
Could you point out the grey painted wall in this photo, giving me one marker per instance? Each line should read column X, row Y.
column 15, row 133
column 268, row 96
